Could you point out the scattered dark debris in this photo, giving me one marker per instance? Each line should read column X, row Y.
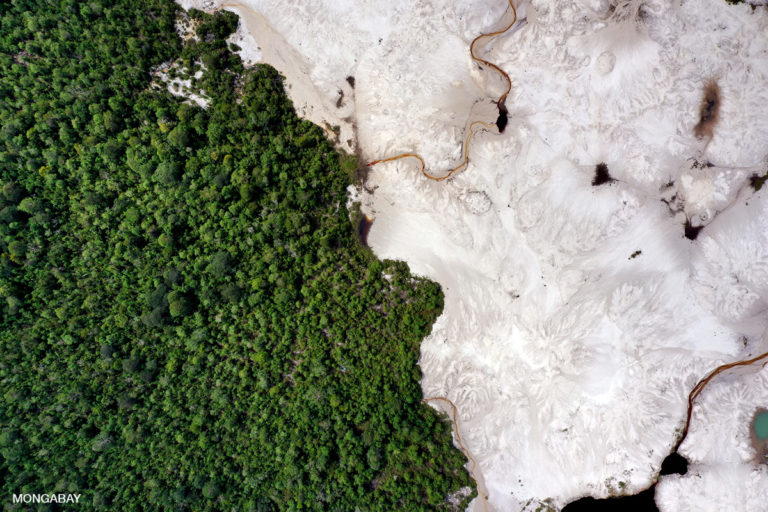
column 673, row 204
column 351, row 81
column 626, row 11
column 757, row 181
column 709, row 110
column 601, row 175
column 737, row 2
column 701, row 165
column 691, row 231
column 635, row 254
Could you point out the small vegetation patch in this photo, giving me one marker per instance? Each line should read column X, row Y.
column 758, row 181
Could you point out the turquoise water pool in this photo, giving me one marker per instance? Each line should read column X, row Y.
column 761, row 425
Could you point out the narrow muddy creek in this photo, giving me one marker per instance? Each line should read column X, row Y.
column 501, row 120
column 675, row 463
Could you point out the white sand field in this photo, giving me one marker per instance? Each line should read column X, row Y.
column 577, row 318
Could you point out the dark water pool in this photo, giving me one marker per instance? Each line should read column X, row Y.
column 641, row 502
column 363, row 228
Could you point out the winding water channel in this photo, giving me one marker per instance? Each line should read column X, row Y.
column 501, row 120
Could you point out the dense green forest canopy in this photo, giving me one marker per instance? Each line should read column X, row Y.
column 186, row 319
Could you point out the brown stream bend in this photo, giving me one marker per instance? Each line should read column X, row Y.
column 480, row 492
column 500, row 103
column 697, row 390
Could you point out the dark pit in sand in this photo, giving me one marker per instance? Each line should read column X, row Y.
column 501, row 121
column 674, row 464
column 691, row 231
column 602, row 176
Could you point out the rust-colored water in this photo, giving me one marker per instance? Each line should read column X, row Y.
column 501, row 121
column 697, row 390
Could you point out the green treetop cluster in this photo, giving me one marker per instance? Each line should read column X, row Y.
column 186, row 319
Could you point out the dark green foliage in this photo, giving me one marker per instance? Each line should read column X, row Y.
column 758, row 181
column 186, row 320
column 738, row 2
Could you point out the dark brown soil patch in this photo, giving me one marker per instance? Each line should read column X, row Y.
column 709, row 110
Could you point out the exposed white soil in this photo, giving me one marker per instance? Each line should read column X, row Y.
column 577, row 318
column 182, row 87
column 186, row 27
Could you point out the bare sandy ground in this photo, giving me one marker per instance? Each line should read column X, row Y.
column 261, row 43
column 577, row 318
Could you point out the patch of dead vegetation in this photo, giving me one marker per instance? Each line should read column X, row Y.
column 709, row 111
